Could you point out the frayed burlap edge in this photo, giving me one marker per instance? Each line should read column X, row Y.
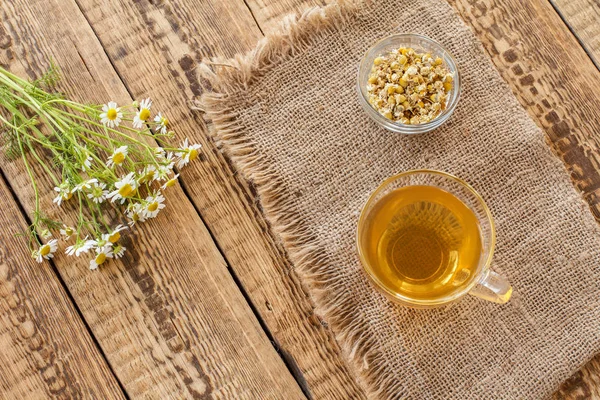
column 230, row 77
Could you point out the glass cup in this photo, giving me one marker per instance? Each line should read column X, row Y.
column 482, row 281
column 421, row 44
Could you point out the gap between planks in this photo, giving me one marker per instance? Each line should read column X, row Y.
column 573, row 32
column 254, row 18
column 289, row 362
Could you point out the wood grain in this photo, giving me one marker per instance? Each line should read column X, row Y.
column 552, row 77
column 169, row 316
column 178, row 34
column 45, row 349
column 268, row 14
column 583, row 16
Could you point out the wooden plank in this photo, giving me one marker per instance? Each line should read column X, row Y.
column 46, row 350
column 169, row 316
column 268, row 14
column 584, row 384
column 552, row 77
column 178, row 34
column 583, row 17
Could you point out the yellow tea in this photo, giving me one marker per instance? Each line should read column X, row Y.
column 422, row 242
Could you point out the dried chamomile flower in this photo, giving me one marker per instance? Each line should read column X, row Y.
column 409, row 87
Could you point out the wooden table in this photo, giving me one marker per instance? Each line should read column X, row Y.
column 208, row 305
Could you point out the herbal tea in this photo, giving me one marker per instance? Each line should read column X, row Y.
column 422, row 242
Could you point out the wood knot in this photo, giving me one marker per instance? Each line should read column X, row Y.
column 552, row 117
column 176, row 344
column 560, row 130
column 527, row 80
column 510, row 56
column 268, row 305
column 198, row 388
column 517, row 70
column 27, row 329
column 5, row 40
column 188, row 65
column 5, row 289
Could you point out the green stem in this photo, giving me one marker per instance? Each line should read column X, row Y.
column 102, row 219
column 80, row 220
column 36, row 214
column 45, row 144
column 42, row 163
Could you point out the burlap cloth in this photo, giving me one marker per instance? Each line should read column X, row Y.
column 289, row 117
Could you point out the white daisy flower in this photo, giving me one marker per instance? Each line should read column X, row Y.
column 98, row 193
column 153, row 205
column 188, row 153
column 111, row 115
column 168, row 160
column 136, row 214
column 166, row 164
column 80, row 247
column 46, row 234
column 142, row 116
column 67, row 231
column 46, row 251
column 117, row 157
column 64, row 193
column 118, row 251
column 115, row 234
column 163, row 172
column 102, row 253
column 87, row 162
column 125, row 188
column 171, row 182
column 159, row 152
column 148, row 174
column 97, row 243
column 85, row 185
column 162, row 124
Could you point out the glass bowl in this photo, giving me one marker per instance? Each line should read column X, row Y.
column 421, row 44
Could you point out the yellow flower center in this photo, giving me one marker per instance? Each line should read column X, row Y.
column 193, row 154
column 100, row 258
column 171, row 182
column 45, row 250
column 69, row 231
column 149, row 175
column 111, row 114
column 114, row 237
column 164, row 121
column 126, row 190
column 67, row 196
column 144, row 114
column 97, row 191
column 153, row 206
column 135, row 217
column 118, row 158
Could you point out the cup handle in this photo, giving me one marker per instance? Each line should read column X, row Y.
column 492, row 287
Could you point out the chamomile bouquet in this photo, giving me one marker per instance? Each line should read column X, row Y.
column 112, row 162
